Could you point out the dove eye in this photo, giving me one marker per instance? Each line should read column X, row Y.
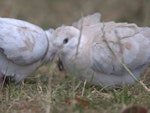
column 65, row 40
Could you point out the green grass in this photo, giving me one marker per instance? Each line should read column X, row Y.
column 55, row 92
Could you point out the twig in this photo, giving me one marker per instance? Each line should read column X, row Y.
column 147, row 89
column 83, row 90
column 79, row 40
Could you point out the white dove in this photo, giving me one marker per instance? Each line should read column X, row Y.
column 23, row 48
column 96, row 52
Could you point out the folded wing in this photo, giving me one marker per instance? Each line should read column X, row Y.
column 120, row 42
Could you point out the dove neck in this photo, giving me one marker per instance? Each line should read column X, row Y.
column 49, row 54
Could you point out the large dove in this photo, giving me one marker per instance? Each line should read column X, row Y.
column 23, row 48
column 96, row 51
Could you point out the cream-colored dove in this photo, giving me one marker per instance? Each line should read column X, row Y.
column 23, row 48
column 95, row 53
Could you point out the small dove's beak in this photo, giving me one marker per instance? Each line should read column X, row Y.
column 60, row 65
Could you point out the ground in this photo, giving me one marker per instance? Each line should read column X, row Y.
column 50, row 91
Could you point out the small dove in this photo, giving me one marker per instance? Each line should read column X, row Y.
column 23, row 48
column 95, row 51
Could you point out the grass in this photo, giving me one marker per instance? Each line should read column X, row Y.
column 56, row 92
column 51, row 91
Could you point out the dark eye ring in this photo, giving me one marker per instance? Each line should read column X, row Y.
column 65, row 40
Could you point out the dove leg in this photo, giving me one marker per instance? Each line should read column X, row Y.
column 1, row 78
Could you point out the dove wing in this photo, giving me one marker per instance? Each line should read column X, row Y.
column 21, row 42
column 120, row 42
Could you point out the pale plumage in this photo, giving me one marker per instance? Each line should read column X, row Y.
column 94, row 61
column 23, row 47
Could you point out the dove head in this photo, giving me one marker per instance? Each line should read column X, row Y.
column 65, row 38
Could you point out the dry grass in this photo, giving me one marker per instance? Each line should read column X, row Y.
column 59, row 93
column 51, row 91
